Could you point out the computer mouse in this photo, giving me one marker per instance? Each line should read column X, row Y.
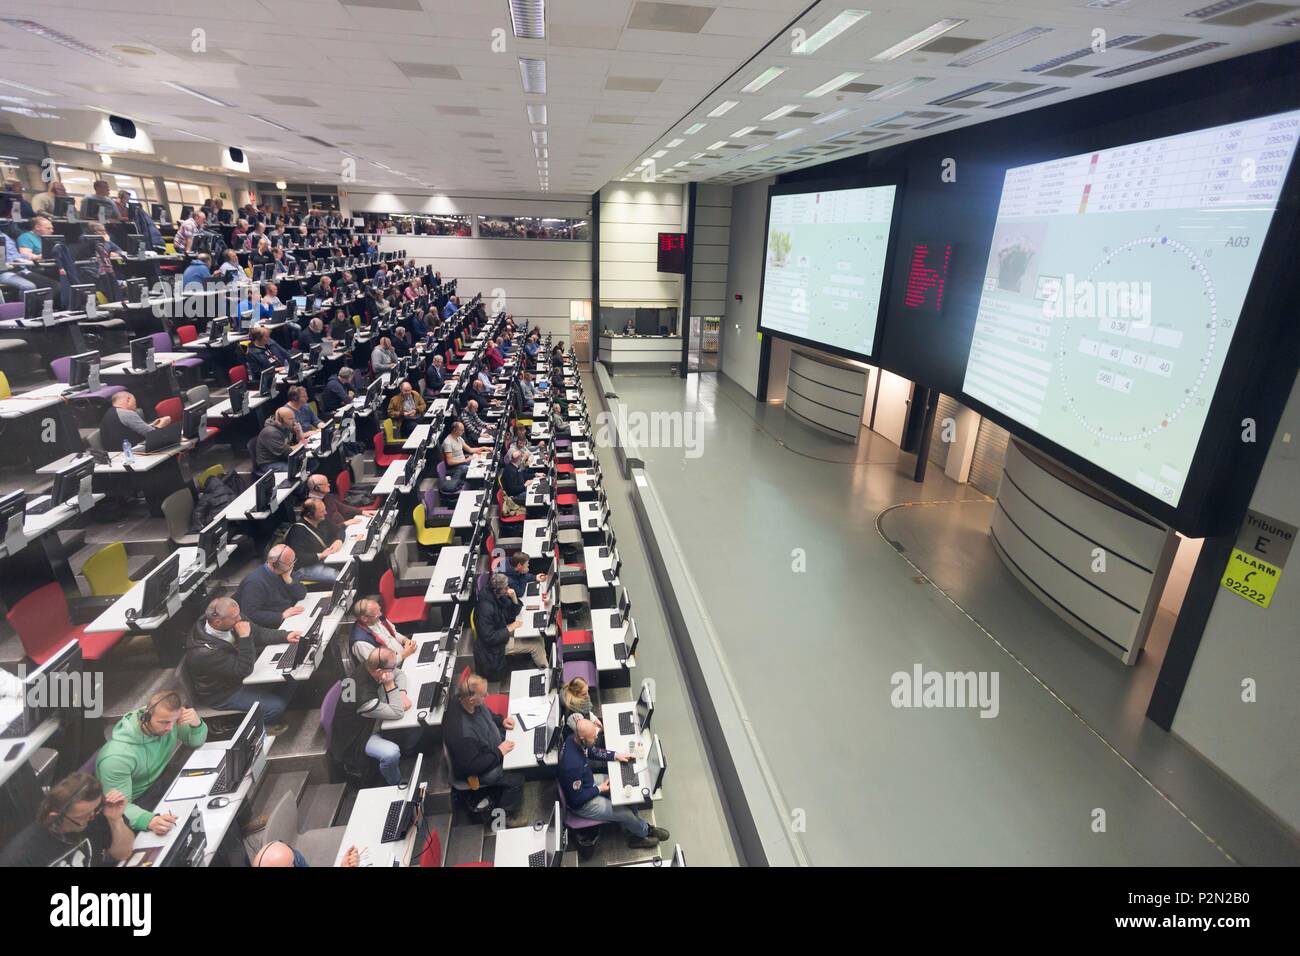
column 216, row 803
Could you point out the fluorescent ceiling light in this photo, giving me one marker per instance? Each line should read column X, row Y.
column 792, row 132
column 532, row 71
column 963, row 94
column 63, row 40
column 537, row 114
column 723, row 107
column 832, row 84
column 1002, row 46
column 23, row 86
column 186, row 132
column 679, row 165
column 902, row 86
column 917, row 39
column 541, row 152
column 660, row 154
column 743, row 131
column 674, row 143
column 692, row 130
column 698, row 155
column 830, row 117
column 718, row 145
column 203, row 96
column 539, row 136
column 779, row 112
column 764, row 78
column 528, row 19
column 263, row 119
column 841, row 22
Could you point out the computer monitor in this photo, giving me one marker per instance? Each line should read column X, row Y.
column 297, row 461
column 63, row 205
column 326, row 438
column 83, row 370
column 555, row 836
column 68, row 479
column 142, row 356
column 300, row 303
column 213, row 538
column 34, row 302
column 410, row 470
column 657, row 764
column 266, row 382
column 372, row 392
column 194, row 421
column 13, row 512
column 237, row 394
column 26, row 703
column 187, row 212
column 293, row 371
column 218, row 329
column 157, row 211
column 645, row 707
column 160, row 585
column 342, row 585
column 410, row 805
column 264, row 493
column 245, row 747
column 190, row 845
column 314, row 355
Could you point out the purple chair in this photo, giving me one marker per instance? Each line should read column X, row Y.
column 576, row 668
column 327, row 708
column 571, row 819
column 62, row 369
column 162, row 342
column 11, row 310
column 432, row 506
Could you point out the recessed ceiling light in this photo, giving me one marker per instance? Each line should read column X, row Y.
column 698, row 155
column 902, row 86
column 743, row 131
column 539, row 136
column 674, row 143
column 29, row 89
column 268, row 122
column 63, row 40
column 692, row 130
column 764, row 78
column 792, row 132
column 917, row 39
column 718, row 145
column 537, row 114
column 1002, row 46
column 203, row 96
column 723, row 107
column 679, row 165
column 186, row 132
column 780, row 111
column 528, row 19
column 660, row 154
column 532, row 71
column 832, row 84
column 841, row 22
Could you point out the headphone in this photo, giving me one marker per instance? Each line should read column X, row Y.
column 273, row 558
column 169, row 697
column 72, row 801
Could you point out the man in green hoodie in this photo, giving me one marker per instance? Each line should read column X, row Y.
column 141, row 746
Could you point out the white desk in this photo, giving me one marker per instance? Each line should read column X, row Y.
column 514, row 845
column 637, row 744
column 449, row 566
column 533, row 541
column 590, row 517
column 417, row 436
column 29, row 744
column 605, row 638
column 36, row 525
column 33, row 400
column 466, row 510
column 596, row 566
column 255, row 401
column 117, row 463
column 523, row 757
column 114, row 617
column 479, row 467
column 587, row 480
column 265, row 670
column 366, row 826
column 353, row 537
column 580, row 450
column 417, row 675
column 436, row 408
column 388, row 481
column 241, row 509
column 205, row 343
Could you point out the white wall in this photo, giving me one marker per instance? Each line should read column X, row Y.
column 891, row 406
column 709, row 253
column 533, row 279
column 631, row 217
column 1256, row 744
column 740, row 341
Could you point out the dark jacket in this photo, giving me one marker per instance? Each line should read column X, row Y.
column 576, row 779
column 308, row 543
column 358, row 716
column 258, row 359
column 334, row 396
column 263, row 596
column 272, row 445
column 434, row 377
column 217, row 668
column 469, row 739
column 491, row 615
column 512, row 480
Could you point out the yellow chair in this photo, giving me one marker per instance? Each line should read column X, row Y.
column 169, row 248
column 356, row 320
column 206, row 473
column 390, row 433
column 429, row 536
column 4, row 386
column 106, row 571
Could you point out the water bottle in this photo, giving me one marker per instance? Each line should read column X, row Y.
column 127, row 453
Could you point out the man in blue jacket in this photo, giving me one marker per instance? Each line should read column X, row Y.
column 271, row 593
column 588, row 798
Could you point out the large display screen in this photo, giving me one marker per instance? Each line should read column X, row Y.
column 1114, row 285
column 824, row 268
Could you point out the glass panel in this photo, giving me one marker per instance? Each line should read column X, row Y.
column 532, row 227
column 418, row 224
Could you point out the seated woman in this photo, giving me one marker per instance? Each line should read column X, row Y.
column 575, row 696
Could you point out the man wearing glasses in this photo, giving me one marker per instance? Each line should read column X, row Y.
column 77, row 825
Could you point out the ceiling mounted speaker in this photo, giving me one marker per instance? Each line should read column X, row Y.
column 213, row 156
column 121, row 126
column 98, row 130
column 236, row 154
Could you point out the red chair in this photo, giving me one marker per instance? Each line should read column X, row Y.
column 169, row 408
column 431, row 855
column 565, row 467
column 566, row 501
column 574, row 640
column 516, row 519
column 186, row 333
column 343, row 484
column 382, row 458
column 44, row 625
column 400, row 610
column 237, row 373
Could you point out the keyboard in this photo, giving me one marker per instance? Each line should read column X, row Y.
column 630, row 778
column 38, row 506
column 540, row 736
column 616, row 619
column 537, row 859
column 452, row 586
column 428, row 652
column 620, row 654
column 537, row 685
column 396, row 820
column 539, row 620
column 223, row 783
column 625, row 725
column 429, row 696
column 604, row 552
column 289, row 659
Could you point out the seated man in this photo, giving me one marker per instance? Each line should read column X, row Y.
column 559, row 423
column 479, row 431
column 372, row 629
column 313, row 334
column 495, row 625
column 275, row 441
column 455, row 452
column 384, row 356
column 401, row 342
column 476, row 742
column 221, row 651
column 279, row 853
column 271, row 594
column 137, row 753
column 302, row 411
column 405, row 409
column 230, row 269
column 124, row 423
column 588, row 798
column 513, row 480
column 77, row 824
column 338, row 390
column 520, row 577
column 336, row 509
column 340, row 325
column 321, row 293
column 434, row 377
column 314, row 538
column 263, row 353
column 378, row 693
column 197, row 272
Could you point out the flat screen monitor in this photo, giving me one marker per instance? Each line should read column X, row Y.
column 212, row 539
column 160, row 585
column 237, row 395
column 825, row 265
column 83, row 369
column 1114, row 286
column 141, row 352
column 34, row 302
column 266, row 382
column 645, row 707
column 68, row 479
column 264, row 493
column 194, row 421
column 137, row 290
column 218, row 329
column 33, row 699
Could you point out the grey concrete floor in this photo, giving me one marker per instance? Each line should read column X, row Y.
column 816, row 611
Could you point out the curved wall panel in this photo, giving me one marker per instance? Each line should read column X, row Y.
column 826, row 395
